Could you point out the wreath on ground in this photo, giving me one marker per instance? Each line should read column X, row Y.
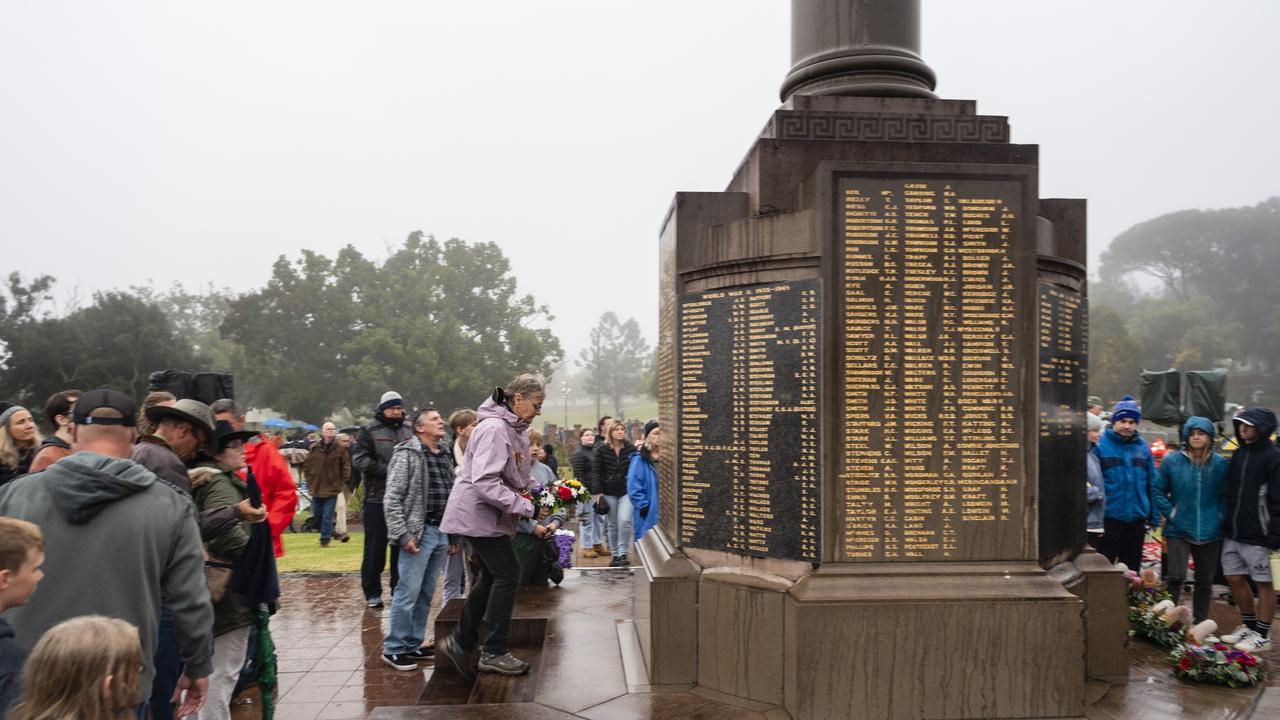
column 1194, row 653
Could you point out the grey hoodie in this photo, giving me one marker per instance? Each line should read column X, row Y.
column 115, row 539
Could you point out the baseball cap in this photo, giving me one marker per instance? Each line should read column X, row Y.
column 82, row 413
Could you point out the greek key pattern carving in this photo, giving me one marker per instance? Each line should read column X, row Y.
column 901, row 128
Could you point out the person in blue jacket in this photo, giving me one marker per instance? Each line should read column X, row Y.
column 642, row 480
column 1190, row 491
column 1127, row 471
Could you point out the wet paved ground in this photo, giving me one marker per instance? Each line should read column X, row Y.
column 330, row 646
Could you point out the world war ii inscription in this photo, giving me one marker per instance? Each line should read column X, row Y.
column 931, row 455
column 748, row 436
column 1063, row 325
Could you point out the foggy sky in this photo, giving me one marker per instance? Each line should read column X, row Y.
column 158, row 141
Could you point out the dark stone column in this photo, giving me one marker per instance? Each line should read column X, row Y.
column 857, row 47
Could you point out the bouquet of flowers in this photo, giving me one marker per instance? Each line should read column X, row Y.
column 558, row 495
column 1216, row 663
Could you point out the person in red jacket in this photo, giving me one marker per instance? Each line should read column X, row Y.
column 270, row 468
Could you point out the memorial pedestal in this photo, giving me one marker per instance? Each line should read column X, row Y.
column 849, row 379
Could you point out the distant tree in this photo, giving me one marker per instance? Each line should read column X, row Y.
column 117, row 342
column 616, row 360
column 198, row 317
column 1114, row 364
column 439, row 323
column 1226, row 258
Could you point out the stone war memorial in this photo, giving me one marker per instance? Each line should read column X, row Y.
column 872, row 363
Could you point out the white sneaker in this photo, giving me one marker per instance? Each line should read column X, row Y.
column 1254, row 643
column 1235, row 636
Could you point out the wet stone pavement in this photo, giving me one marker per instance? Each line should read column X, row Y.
column 329, row 647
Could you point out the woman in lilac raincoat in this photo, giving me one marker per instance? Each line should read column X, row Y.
column 489, row 496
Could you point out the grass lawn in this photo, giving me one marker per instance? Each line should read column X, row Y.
column 302, row 553
column 586, row 414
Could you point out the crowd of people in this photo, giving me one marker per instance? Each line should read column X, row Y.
column 193, row 506
column 1222, row 514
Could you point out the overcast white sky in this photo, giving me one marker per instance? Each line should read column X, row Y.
column 188, row 141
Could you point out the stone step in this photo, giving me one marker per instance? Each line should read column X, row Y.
column 528, row 621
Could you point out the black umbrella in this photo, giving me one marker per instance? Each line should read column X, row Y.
column 255, row 580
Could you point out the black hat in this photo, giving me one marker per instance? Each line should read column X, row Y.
column 101, row 398
column 648, row 428
column 225, row 433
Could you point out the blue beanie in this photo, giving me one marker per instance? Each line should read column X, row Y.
column 1126, row 408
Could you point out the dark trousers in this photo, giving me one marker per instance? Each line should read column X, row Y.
column 1206, row 556
column 492, row 598
column 1123, row 541
column 168, row 661
column 375, row 553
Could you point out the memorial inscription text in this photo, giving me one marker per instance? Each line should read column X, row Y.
column 748, row 458
column 931, row 459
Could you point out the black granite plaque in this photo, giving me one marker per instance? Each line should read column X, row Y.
column 747, row 454
column 932, row 448
column 1063, row 329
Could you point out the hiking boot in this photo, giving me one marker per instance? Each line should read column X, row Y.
column 1236, row 635
column 505, row 664
column 400, row 662
column 590, row 553
column 601, row 550
column 447, row 649
column 1252, row 642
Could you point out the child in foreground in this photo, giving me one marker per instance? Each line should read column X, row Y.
column 21, row 555
column 87, row 668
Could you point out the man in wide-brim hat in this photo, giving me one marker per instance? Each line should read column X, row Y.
column 182, row 429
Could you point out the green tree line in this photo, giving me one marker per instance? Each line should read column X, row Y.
column 440, row 323
column 1191, row 290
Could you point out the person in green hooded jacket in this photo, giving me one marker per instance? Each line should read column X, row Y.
column 1190, row 491
column 216, row 484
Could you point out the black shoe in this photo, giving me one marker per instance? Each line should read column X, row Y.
column 400, row 662
column 447, row 649
column 344, row 537
column 422, row 653
column 615, row 561
column 374, row 602
column 624, row 561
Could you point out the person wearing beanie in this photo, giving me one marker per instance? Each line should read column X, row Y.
column 1127, row 472
column 1190, row 491
column 1095, row 493
column 642, row 480
column 1252, row 527
column 371, row 455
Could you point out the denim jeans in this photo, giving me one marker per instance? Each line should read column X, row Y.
column 411, row 600
column 375, row 553
column 588, row 525
column 323, row 508
column 619, row 523
column 492, row 598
